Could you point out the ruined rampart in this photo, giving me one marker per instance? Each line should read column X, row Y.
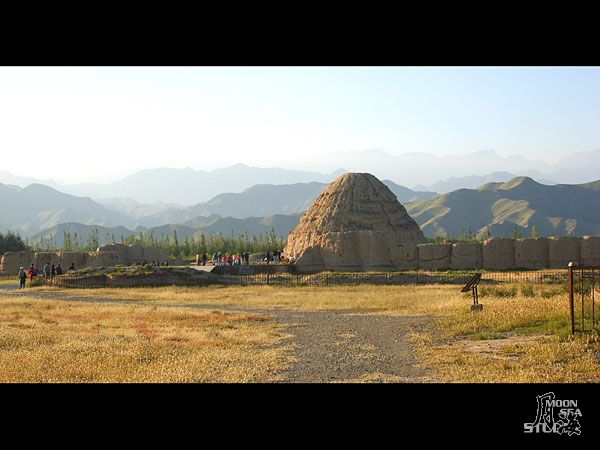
column 107, row 256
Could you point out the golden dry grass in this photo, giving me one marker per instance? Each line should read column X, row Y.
column 515, row 339
column 9, row 281
column 50, row 341
column 399, row 300
column 544, row 360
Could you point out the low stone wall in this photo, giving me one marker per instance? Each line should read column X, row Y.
column 406, row 257
column 498, row 254
column 465, row 256
column 493, row 254
column 589, row 251
column 531, row 253
column 11, row 261
column 107, row 256
column 434, row 256
column 149, row 280
column 562, row 250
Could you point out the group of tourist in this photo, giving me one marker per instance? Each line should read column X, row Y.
column 218, row 259
column 242, row 259
column 49, row 271
column 276, row 257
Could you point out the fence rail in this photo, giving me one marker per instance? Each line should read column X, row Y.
column 317, row 279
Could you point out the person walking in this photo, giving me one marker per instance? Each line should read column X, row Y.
column 47, row 270
column 52, row 272
column 32, row 272
column 22, row 277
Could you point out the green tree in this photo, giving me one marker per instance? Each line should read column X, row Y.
column 12, row 242
column 516, row 234
column 67, row 242
column 93, row 240
column 175, row 250
column 202, row 248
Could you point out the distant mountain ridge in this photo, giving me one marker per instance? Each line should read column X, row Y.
column 424, row 171
column 37, row 207
column 472, row 182
column 135, row 209
column 190, row 187
column 499, row 208
column 519, row 204
column 264, row 200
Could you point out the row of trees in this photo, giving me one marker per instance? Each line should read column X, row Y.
column 11, row 242
column 465, row 236
column 189, row 247
column 196, row 244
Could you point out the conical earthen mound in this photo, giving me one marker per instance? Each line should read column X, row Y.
column 356, row 223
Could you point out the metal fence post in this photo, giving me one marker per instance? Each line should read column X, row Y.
column 582, row 304
column 571, row 300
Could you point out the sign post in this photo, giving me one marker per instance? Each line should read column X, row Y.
column 472, row 286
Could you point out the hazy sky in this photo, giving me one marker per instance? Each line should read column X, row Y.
column 99, row 124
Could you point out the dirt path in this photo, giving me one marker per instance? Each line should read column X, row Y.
column 329, row 345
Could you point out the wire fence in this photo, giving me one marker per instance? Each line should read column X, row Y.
column 394, row 278
column 558, row 276
column 584, row 293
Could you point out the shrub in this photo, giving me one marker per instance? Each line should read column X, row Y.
column 37, row 281
column 502, row 292
column 527, row 291
column 549, row 293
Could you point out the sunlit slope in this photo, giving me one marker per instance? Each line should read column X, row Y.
column 520, row 204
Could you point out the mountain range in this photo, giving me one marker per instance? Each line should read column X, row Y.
column 500, row 209
column 419, row 171
column 473, row 182
column 496, row 208
column 38, row 211
column 36, row 207
column 264, row 200
column 426, row 169
column 189, row 187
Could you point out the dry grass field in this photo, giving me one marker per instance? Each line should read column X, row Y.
column 244, row 334
column 53, row 341
column 9, row 281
